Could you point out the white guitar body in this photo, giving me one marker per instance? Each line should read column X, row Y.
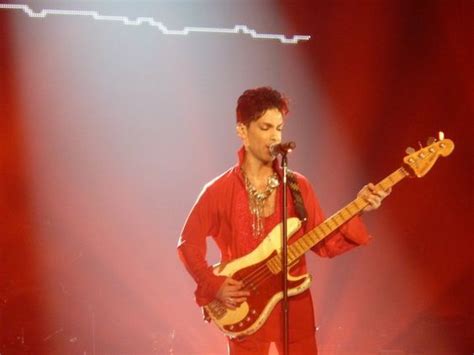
column 250, row 315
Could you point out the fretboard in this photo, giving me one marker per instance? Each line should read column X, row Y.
column 313, row 237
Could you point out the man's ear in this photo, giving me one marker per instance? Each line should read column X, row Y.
column 241, row 130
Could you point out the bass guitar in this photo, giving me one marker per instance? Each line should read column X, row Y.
column 260, row 270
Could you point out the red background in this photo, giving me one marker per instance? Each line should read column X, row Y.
column 108, row 132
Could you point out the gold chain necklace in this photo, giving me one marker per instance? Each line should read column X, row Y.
column 257, row 201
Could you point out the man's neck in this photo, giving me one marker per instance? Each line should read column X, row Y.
column 255, row 169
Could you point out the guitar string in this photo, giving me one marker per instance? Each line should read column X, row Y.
column 257, row 283
column 251, row 281
column 260, row 275
column 266, row 274
column 254, row 279
column 254, row 275
column 257, row 273
column 263, row 277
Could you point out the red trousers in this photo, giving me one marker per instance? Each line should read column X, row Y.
column 249, row 346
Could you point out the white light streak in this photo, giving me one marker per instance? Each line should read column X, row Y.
column 152, row 22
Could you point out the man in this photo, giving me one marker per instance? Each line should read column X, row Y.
column 240, row 207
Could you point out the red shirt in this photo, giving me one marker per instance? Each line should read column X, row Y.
column 222, row 212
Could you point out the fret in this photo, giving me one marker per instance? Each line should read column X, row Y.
column 359, row 204
column 291, row 257
column 305, row 242
column 313, row 236
column 312, row 239
column 302, row 247
column 291, row 253
column 356, row 205
column 362, row 204
column 350, row 212
column 334, row 224
column 295, row 254
column 342, row 213
column 322, row 227
column 277, row 260
column 351, row 208
column 299, row 251
column 275, row 264
column 299, row 246
column 381, row 184
column 296, row 247
column 319, row 234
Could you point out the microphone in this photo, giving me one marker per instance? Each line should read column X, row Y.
column 282, row 148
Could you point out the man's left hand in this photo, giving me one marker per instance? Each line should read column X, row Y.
column 373, row 196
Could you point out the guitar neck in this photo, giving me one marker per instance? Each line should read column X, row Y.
column 313, row 237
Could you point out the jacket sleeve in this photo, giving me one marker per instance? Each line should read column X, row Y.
column 202, row 222
column 353, row 233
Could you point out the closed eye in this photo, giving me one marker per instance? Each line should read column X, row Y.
column 266, row 127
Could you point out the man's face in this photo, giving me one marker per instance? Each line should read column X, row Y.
column 261, row 133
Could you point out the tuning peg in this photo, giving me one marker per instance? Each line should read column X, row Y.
column 410, row 150
column 430, row 140
column 441, row 135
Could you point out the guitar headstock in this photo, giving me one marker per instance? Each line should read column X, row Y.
column 421, row 161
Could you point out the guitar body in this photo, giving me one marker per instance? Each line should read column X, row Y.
column 262, row 277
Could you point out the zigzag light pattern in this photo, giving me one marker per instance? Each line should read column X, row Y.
column 152, row 22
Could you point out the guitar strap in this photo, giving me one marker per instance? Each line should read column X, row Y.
column 297, row 198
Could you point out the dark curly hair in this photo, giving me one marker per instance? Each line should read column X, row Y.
column 253, row 103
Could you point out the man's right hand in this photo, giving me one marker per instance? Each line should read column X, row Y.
column 232, row 294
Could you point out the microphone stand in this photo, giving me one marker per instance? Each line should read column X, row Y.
column 284, row 255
